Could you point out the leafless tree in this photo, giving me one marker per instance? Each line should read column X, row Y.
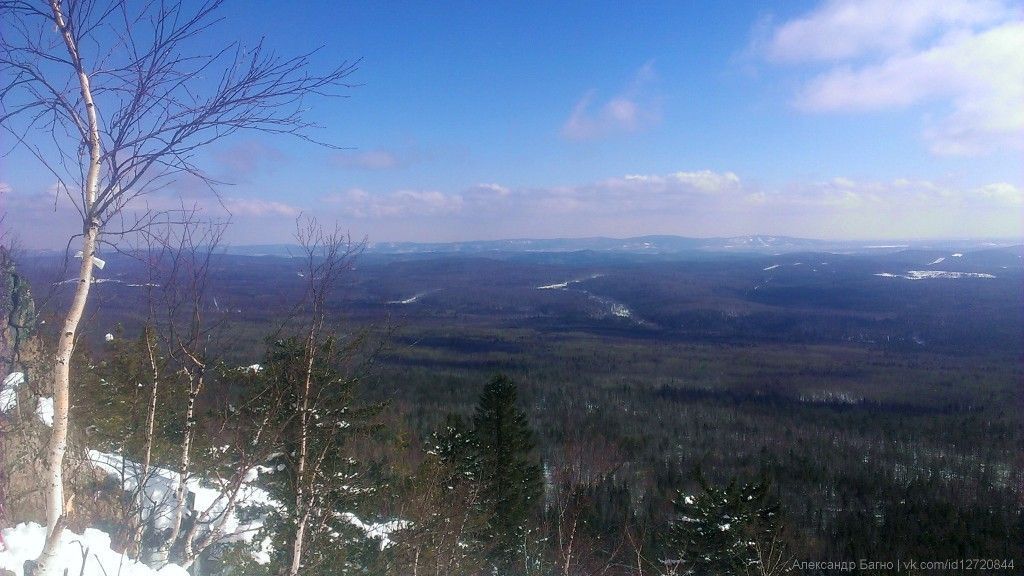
column 445, row 519
column 125, row 95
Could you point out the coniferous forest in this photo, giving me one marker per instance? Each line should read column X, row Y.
column 472, row 434
column 511, row 288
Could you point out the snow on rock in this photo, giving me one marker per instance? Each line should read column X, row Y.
column 25, row 542
column 9, row 391
column 930, row 274
column 44, row 410
column 109, row 337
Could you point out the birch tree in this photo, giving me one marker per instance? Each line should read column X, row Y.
column 116, row 99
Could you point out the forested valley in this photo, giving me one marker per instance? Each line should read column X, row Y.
column 728, row 401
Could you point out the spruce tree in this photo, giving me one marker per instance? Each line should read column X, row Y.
column 509, row 476
column 727, row 531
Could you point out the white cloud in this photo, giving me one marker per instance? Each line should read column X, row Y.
column 964, row 57
column 1002, row 194
column 633, row 110
column 843, row 29
column 259, row 208
column 702, row 181
column 702, row 203
column 358, row 203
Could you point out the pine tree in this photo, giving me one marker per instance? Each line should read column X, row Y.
column 510, row 478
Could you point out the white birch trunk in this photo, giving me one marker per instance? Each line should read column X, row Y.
column 66, row 343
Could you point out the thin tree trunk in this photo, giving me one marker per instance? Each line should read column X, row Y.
column 300, row 495
column 183, row 468
column 139, row 504
column 65, row 345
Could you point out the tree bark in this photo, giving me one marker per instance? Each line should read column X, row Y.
column 301, row 503
column 66, row 344
column 181, row 490
column 140, row 492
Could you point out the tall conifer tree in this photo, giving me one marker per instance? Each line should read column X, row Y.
column 510, row 476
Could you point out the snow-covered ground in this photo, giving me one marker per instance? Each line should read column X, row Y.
column 86, row 554
column 210, row 501
column 412, row 299
column 931, row 274
column 564, row 285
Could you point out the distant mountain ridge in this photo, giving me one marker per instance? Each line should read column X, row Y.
column 655, row 244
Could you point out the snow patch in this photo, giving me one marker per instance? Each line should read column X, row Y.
column 932, row 274
column 564, row 285
column 44, row 410
column 91, row 548
column 376, row 530
column 620, row 310
column 208, row 503
column 936, row 261
column 409, row 300
column 412, row 298
column 772, row 267
column 9, row 391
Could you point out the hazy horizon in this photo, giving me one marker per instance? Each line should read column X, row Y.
column 837, row 120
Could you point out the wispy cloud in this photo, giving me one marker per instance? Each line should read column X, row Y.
column 242, row 161
column 369, row 160
column 378, row 158
column 632, row 110
column 963, row 56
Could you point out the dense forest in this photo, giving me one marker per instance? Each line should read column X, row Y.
column 495, row 423
column 824, row 377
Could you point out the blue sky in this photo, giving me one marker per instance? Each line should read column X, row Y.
column 841, row 119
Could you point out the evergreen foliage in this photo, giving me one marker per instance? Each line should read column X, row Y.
column 509, row 476
column 719, row 532
column 336, row 483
